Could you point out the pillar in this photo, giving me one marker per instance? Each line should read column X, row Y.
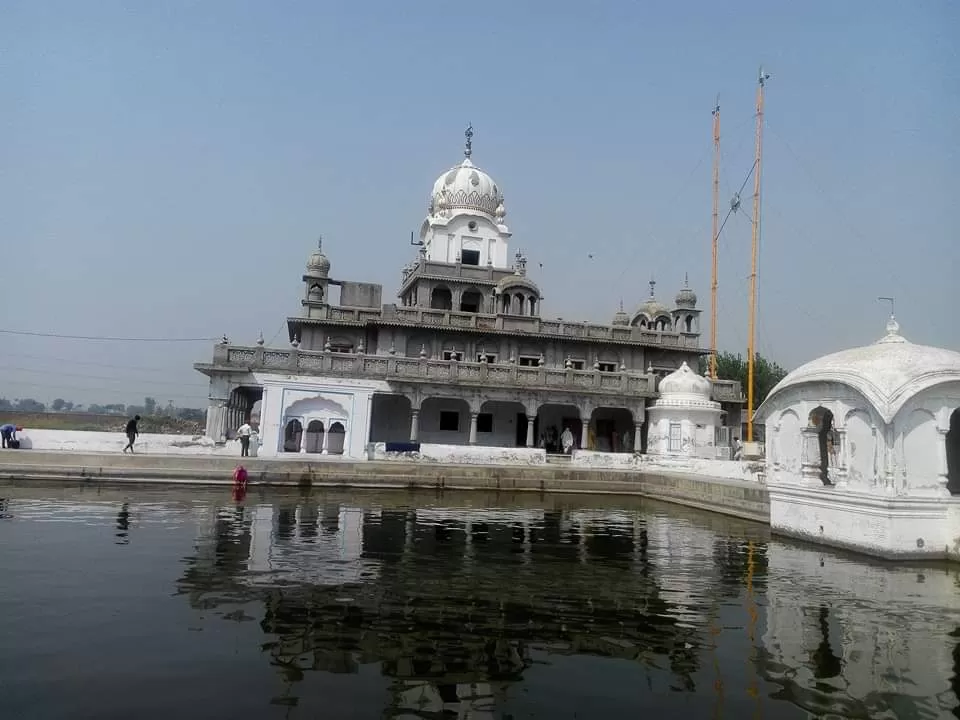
column 637, row 436
column 473, row 428
column 530, row 421
column 216, row 420
column 584, row 432
column 414, row 425
column 326, row 439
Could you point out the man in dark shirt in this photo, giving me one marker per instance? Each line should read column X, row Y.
column 132, row 432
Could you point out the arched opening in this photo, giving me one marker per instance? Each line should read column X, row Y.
column 471, row 301
column 552, row 421
column 953, row 453
column 662, row 323
column 518, row 304
column 533, row 306
column 390, row 419
column 292, row 435
column 313, row 441
column 335, row 441
column 611, row 430
column 441, row 299
column 688, row 323
column 505, row 303
column 822, row 419
column 643, row 323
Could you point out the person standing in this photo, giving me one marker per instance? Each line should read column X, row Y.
column 132, row 432
column 244, row 432
column 9, row 434
column 566, row 440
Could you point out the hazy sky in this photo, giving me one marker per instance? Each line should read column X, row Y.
column 166, row 167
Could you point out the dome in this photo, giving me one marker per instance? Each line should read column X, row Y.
column 887, row 373
column 467, row 187
column 686, row 298
column 516, row 280
column 652, row 308
column 686, row 383
column 318, row 264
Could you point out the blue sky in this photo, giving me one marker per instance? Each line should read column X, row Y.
column 167, row 166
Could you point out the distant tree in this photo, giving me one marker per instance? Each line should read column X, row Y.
column 195, row 414
column 30, row 405
column 59, row 404
column 150, row 405
column 766, row 373
column 95, row 409
column 115, row 409
column 5, row 404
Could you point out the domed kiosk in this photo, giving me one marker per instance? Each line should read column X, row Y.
column 683, row 421
column 862, row 448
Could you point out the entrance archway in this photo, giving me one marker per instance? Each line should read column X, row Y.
column 292, row 435
column 822, row 419
column 611, row 430
column 441, row 299
column 471, row 301
column 313, row 442
column 551, row 422
column 335, row 441
column 953, row 453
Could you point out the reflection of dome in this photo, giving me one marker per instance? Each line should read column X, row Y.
column 466, row 187
column 887, row 373
column 685, row 382
column 318, row 264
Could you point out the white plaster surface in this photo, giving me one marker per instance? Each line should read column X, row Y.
column 882, row 526
column 718, row 469
column 113, row 442
column 464, row 455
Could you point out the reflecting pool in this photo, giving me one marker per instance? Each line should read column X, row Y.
column 130, row 602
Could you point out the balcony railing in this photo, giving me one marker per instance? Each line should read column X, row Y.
column 405, row 369
column 514, row 323
column 426, row 370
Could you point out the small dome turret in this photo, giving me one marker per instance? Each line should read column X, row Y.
column 686, row 298
column 684, row 382
column 620, row 317
column 318, row 264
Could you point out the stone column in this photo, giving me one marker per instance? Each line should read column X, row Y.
column 637, row 437
column 414, row 425
column 326, row 440
column 216, row 420
column 584, row 432
column 530, row 421
column 473, row 428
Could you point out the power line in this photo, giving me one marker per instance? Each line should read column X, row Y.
column 103, row 338
column 89, row 388
column 104, row 377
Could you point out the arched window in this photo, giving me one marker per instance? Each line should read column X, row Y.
column 441, row 299
column 336, row 440
column 313, row 442
column 689, row 323
column 533, row 305
column 292, row 434
column 505, row 303
column 471, row 301
column 822, row 419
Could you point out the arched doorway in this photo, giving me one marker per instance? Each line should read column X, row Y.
column 822, row 419
column 313, row 442
column 953, row 453
column 471, row 301
column 335, row 442
column 292, row 435
column 441, row 299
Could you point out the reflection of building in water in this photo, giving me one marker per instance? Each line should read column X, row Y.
column 448, row 603
column 876, row 644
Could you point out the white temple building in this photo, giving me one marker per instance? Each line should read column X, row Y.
column 862, row 449
column 684, row 421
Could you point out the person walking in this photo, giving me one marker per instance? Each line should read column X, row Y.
column 132, row 432
column 9, row 434
column 244, row 432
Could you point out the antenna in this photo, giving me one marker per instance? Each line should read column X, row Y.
column 889, row 300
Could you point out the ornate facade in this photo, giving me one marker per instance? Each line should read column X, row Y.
column 464, row 357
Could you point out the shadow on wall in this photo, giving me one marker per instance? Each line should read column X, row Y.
column 953, row 453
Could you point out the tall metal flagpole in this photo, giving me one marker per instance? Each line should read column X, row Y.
column 716, row 233
column 752, row 322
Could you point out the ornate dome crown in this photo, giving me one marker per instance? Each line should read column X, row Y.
column 685, row 381
column 686, row 298
column 621, row 318
column 467, row 187
column 318, row 263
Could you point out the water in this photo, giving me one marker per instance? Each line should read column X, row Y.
column 160, row 603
